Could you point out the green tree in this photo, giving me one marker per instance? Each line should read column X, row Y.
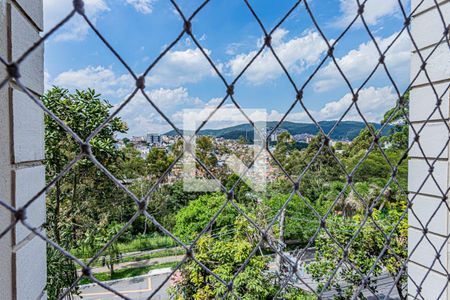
column 83, row 112
column 285, row 151
column 243, row 194
column 300, row 220
column 178, row 147
column 224, row 258
column 339, row 146
column 242, row 140
column 206, row 152
column 362, row 142
column 61, row 273
column 376, row 167
column 131, row 164
column 165, row 202
column 193, row 218
column 224, row 254
column 362, row 254
column 76, row 207
column 106, row 234
column 397, row 137
column 323, row 169
column 158, row 161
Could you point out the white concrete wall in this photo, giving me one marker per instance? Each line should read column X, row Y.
column 22, row 175
column 427, row 30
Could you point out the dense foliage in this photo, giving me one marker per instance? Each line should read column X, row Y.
column 76, row 207
column 352, row 184
column 225, row 257
column 193, row 218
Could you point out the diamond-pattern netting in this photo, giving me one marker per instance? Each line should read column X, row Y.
column 344, row 244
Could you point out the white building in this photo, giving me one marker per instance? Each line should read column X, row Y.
column 154, row 139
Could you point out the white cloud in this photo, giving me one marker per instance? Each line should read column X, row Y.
column 76, row 29
column 373, row 103
column 374, row 11
column 358, row 63
column 214, row 102
column 102, row 79
column 180, row 67
column 138, row 113
column 232, row 48
column 175, row 69
column 226, row 116
column 47, row 84
column 143, row 118
column 142, row 6
column 296, row 54
column 149, row 123
column 166, row 98
column 293, row 116
column 106, row 82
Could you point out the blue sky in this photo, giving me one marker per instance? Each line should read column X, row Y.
column 140, row 29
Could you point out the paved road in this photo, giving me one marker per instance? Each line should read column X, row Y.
column 138, row 288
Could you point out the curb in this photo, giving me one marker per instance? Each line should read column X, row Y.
column 159, row 271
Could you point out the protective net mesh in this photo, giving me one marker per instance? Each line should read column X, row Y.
column 290, row 275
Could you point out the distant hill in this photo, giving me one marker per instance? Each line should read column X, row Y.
column 345, row 130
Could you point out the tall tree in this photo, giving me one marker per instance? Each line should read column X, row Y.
column 364, row 253
column 397, row 137
column 158, row 161
column 224, row 253
column 77, row 205
column 206, row 152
